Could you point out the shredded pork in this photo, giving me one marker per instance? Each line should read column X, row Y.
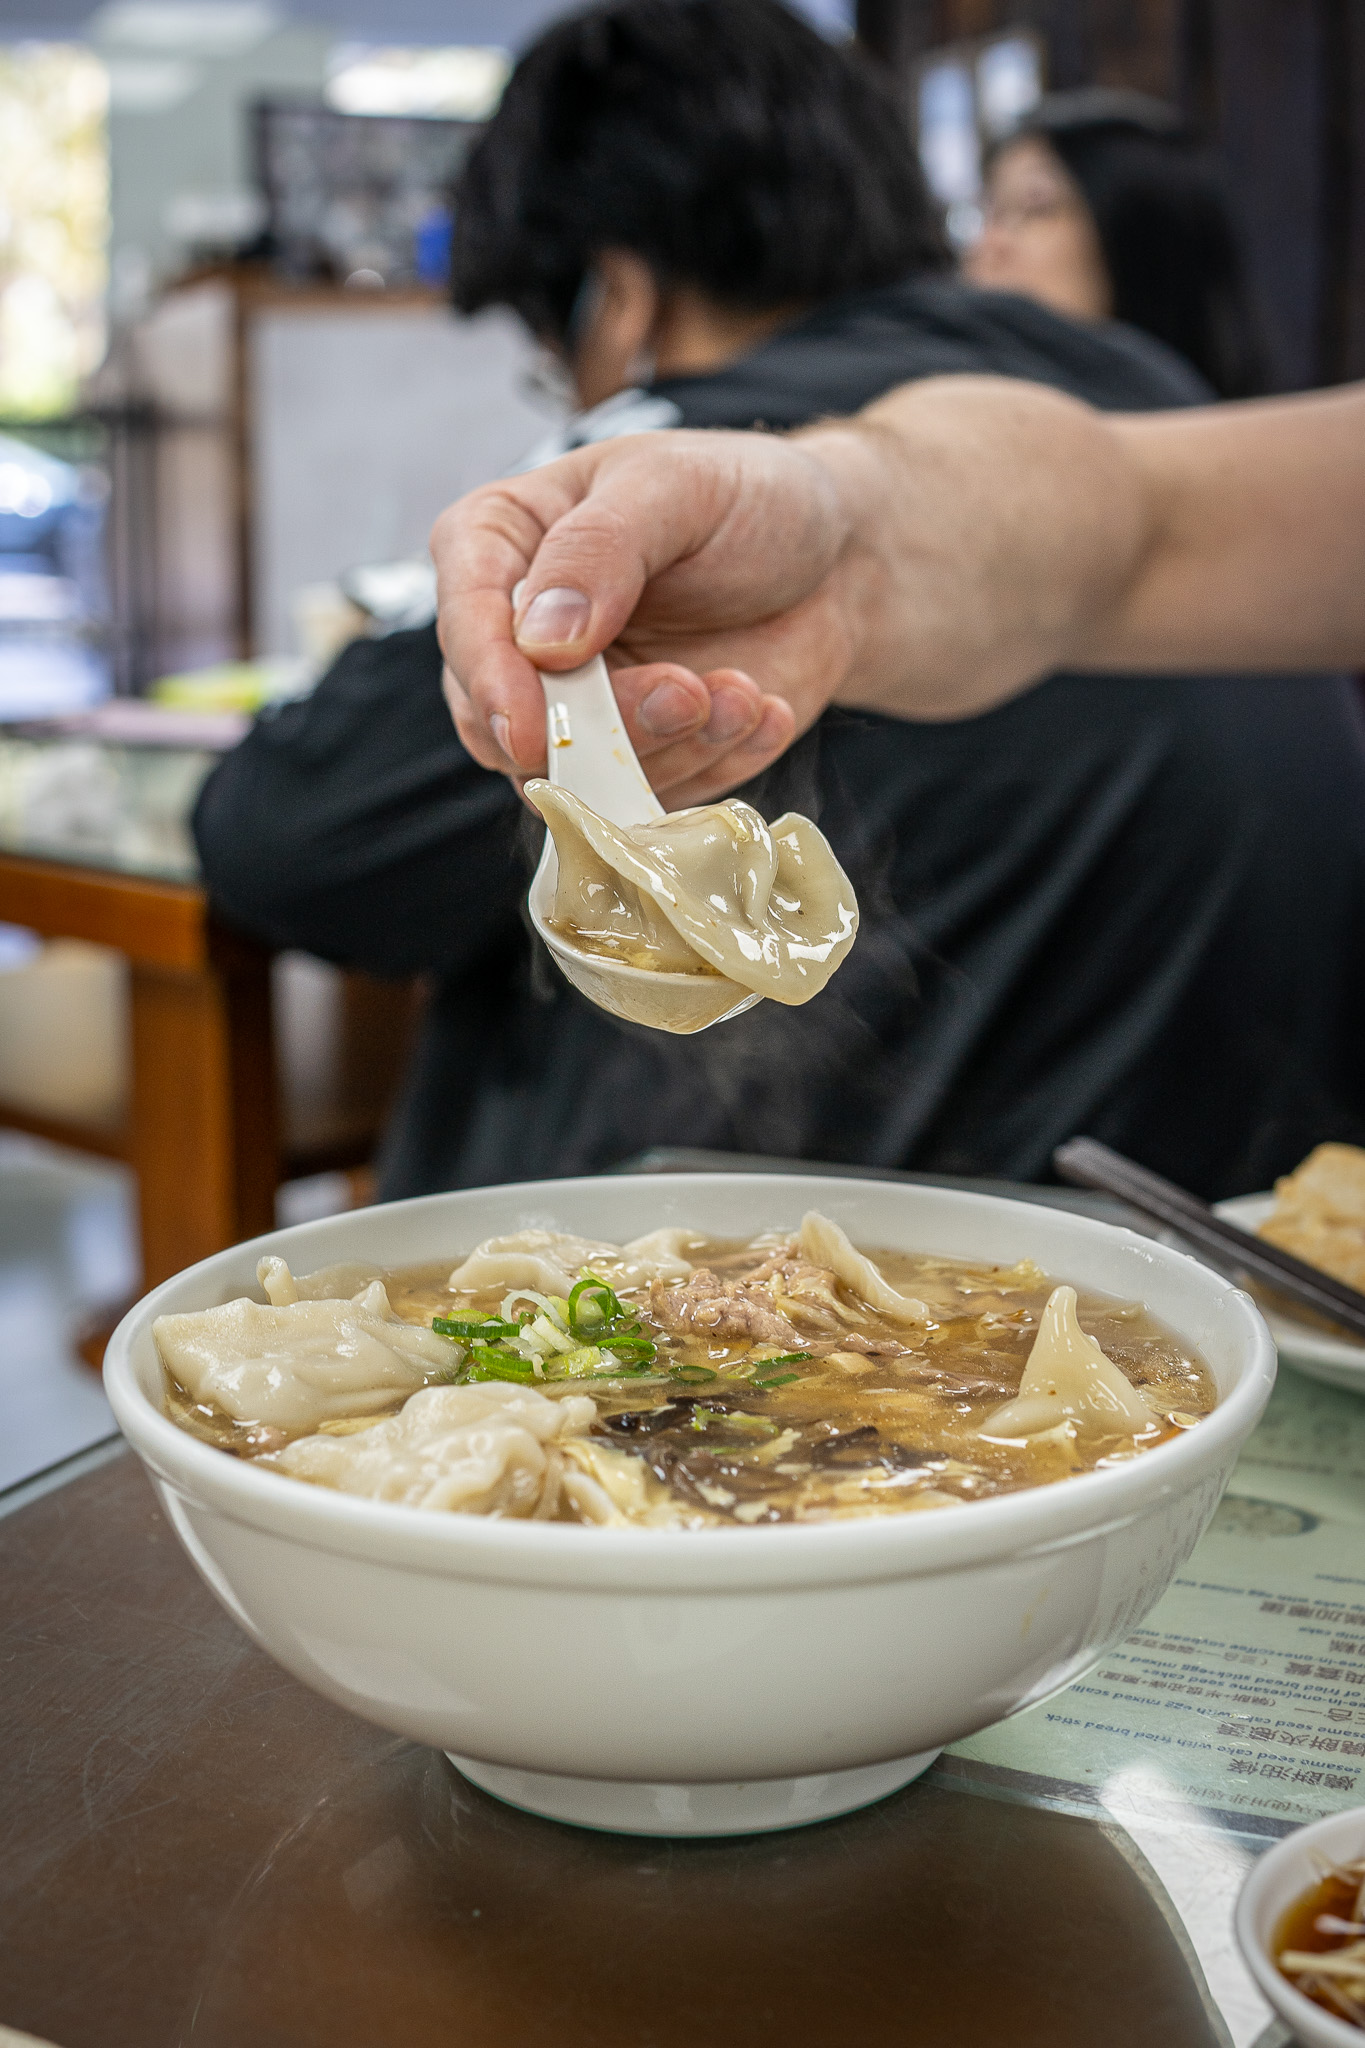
column 705, row 1305
column 786, row 1300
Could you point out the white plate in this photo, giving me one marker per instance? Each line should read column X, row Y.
column 1336, row 1360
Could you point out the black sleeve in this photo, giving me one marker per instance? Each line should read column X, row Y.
column 352, row 824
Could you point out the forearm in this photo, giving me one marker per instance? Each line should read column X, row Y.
column 992, row 526
column 997, row 531
column 1254, row 519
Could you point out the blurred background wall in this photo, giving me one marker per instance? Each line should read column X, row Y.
column 222, row 233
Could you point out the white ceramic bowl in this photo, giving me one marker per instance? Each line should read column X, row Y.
column 1282, row 1875
column 710, row 1681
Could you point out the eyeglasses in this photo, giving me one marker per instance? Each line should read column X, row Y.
column 1022, row 213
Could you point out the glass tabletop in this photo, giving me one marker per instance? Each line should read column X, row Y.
column 89, row 803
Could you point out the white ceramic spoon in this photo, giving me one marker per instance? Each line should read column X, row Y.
column 590, row 755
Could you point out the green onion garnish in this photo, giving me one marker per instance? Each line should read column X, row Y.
column 493, row 1362
column 702, row 1418
column 597, row 1315
column 608, row 1332
column 631, row 1350
column 602, row 1306
column 476, row 1329
column 692, row 1375
column 765, row 1376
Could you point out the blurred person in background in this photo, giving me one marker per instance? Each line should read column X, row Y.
column 1105, row 206
column 1102, row 910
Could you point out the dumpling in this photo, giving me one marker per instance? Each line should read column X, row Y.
column 481, row 1450
column 542, row 1259
column 825, row 1244
column 659, row 1255
column 1069, row 1379
column 301, row 1362
column 550, row 1262
column 708, row 890
column 329, row 1283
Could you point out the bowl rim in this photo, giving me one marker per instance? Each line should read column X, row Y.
column 860, row 1548
column 1297, row 2011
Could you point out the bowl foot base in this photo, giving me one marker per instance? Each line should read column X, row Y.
column 755, row 1806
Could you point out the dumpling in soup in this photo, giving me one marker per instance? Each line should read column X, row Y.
column 481, row 1450
column 299, row 1363
column 683, row 1381
column 1069, row 1380
column 551, row 1261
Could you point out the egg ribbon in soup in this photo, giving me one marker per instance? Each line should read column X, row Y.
column 710, row 890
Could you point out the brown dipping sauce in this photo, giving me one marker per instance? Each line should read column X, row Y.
column 1320, row 1923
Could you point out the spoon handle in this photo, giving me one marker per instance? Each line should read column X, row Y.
column 587, row 747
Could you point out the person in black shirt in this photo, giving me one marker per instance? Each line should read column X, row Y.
column 1132, row 909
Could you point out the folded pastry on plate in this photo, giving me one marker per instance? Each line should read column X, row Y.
column 1319, row 1213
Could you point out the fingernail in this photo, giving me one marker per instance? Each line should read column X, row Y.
column 731, row 715
column 669, row 709
column 501, row 728
column 555, row 619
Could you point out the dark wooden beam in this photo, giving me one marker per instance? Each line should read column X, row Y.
column 898, row 32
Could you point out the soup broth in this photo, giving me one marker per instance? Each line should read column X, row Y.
column 780, row 1380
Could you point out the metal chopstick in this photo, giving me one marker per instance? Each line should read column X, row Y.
column 1088, row 1164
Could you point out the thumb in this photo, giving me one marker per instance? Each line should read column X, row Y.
column 582, row 586
column 650, row 503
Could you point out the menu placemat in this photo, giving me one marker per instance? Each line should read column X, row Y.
column 1243, row 1694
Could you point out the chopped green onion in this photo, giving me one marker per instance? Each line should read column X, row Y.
column 702, row 1418
column 631, row 1350
column 692, row 1375
column 579, row 1363
column 493, row 1362
column 545, row 1336
column 765, row 1377
column 477, row 1329
column 602, row 1307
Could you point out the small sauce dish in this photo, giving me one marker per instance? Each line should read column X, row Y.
column 1281, row 1878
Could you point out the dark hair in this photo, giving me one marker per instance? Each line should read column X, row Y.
column 1166, row 228
column 722, row 141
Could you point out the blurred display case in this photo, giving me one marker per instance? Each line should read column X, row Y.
column 135, row 1025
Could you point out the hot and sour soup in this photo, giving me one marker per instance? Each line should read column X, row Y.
column 681, row 1381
